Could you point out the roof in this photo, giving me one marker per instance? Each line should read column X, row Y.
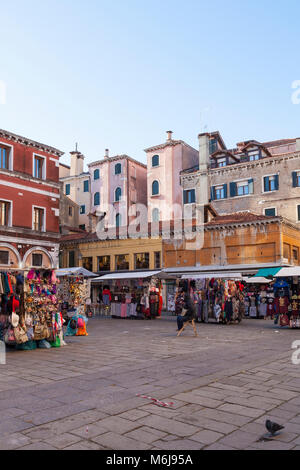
column 239, row 217
column 168, row 143
column 25, row 141
column 115, row 158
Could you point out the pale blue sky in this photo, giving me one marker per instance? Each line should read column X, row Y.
column 118, row 74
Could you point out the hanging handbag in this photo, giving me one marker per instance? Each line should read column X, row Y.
column 284, row 320
column 39, row 332
column 20, row 335
column 9, row 337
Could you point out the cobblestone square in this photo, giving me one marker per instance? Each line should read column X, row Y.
column 224, row 384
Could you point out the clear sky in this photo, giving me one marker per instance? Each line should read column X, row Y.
column 117, row 74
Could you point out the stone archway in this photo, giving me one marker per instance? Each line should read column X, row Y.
column 42, row 260
column 13, row 257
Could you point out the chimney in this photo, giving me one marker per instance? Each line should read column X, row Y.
column 77, row 160
column 169, row 136
column 106, row 153
column 203, row 151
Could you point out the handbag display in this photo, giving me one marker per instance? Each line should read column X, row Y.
column 284, row 320
column 20, row 335
column 9, row 337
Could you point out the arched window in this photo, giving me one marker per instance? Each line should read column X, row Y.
column 155, row 160
column 155, row 215
column 118, row 194
column 118, row 220
column 96, row 199
column 155, row 188
column 96, row 174
column 118, row 169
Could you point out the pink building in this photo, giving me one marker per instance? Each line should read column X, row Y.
column 165, row 163
column 117, row 184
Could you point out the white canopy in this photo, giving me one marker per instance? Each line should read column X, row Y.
column 257, row 280
column 288, row 272
column 212, row 275
column 127, row 275
column 74, row 272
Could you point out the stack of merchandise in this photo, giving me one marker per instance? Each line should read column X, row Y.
column 30, row 306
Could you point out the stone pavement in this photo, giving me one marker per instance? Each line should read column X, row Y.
column 224, row 384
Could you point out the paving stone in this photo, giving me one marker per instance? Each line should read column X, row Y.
column 133, row 415
column 117, row 424
column 168, row 425
column 238, row 439
column 63, row 440
column 182, row 444
column 144, row 434
column 207, row 436
column 38, row 446
column 115, row 441
column 241, row 410
column 191, row 397
column 89, row 431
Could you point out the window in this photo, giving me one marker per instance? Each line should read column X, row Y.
column 96, row 174
column 118, row 169
column 82, row 210
column 37, row 259
column 38, row 219
column 118, row 194
column 103, row 263
column 96, row 199
column 270, row 212
column 155, row 188
column 86, row 186
column 39, row 167
column 219, row 192
column 4, row 257
column 295, row 253
column 118, row 220
column 71, row 259
column 221, row 162
column 68, row 189
column 155, row 160
column 298, row 213
column 155, row 215
column 213, row 146
column 87, row 263
column 70, row 211
column 122, row 262
column 271, row 183
column 141, row 261
column 5, row 213
column 157, row 260
column 189, row 196
column 296, row 179
column 4, row 158
column 241, row 188
column 253, row 157
column 286, row 250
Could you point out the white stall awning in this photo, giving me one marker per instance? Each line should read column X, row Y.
column 289, row 272
column 257, row 280
column 128, row 275
column 195, row 276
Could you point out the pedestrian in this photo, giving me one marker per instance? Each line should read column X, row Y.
column 188, row 310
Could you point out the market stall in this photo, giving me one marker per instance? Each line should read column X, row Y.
column 259, row 297
column 74, row 293
column 131, row 294
column 287, row 298
column 216, row 296
column 30, row 316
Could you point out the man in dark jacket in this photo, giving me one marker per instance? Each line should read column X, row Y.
column 190, row 311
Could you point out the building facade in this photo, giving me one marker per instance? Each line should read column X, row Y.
column 29, row 203
column 77, row 186
column 164, row 165
column 118, row 184
column 260, row 177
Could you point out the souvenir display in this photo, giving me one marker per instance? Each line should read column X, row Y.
column 29, row 308
column 218, row 299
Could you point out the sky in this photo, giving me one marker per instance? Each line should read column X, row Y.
column 118, row 74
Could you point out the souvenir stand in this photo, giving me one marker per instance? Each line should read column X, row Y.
column 216, row 296
column 30, row 315
column 74, row 291
column 131, row 295
column 287, row 297
column 259, row 297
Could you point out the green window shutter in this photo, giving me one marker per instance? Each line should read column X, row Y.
column 212, row 193
column 266, row 183
column 232, row 189
column 295, row 179
column 276, row 182
column 225, row 191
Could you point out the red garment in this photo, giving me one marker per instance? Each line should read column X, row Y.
column 15, row 304
column 107, row 292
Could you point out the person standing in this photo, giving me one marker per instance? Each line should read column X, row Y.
column 190, row 311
